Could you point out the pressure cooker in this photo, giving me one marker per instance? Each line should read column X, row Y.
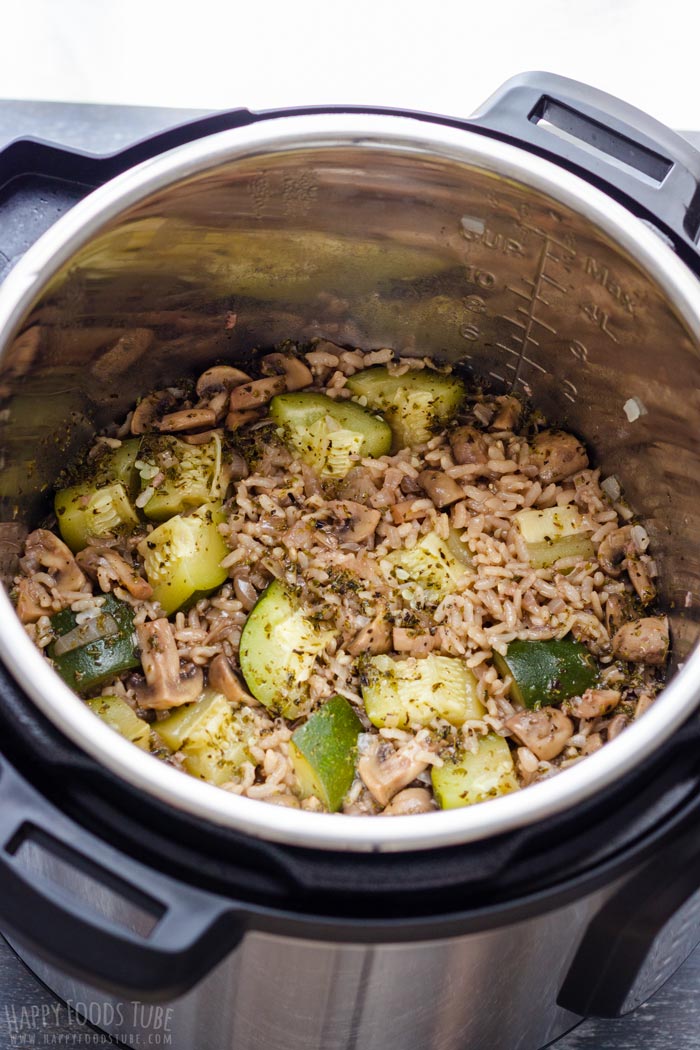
column 549, row 245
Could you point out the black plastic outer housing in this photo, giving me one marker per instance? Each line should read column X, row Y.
column 220, row 883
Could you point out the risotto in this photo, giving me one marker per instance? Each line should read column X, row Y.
column 347, row 582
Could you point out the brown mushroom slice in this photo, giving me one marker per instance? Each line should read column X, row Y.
column 149, row 409
column 440, row 487
column 469, row 446
column 43, row 549
column 408, row 802
column 545, row 732
column 375, row 638
column 617, row 724
column 640, row 578
column 104, row 565
column 613, row 550
column 557, row 455
column 33, row 600
column 616, row 612
column 409, row 510
column 297, row 374
column 508, row 412
column 236, row 420
column 187, row 419
column 643, row 641
column 224, row 679
column 357, row 522
column 405, row 640
column 385, row 771
column 201, row 438
column 256, row 394
column 358, row 484
column 595, row 703
column 166, row 684
column 220, row 378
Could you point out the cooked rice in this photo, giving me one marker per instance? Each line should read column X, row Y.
column 271, row 529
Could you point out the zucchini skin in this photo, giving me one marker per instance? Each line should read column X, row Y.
column 545, row 673
column 88, row 666
column 323, row 752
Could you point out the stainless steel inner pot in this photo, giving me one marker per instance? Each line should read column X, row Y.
column 372, row 231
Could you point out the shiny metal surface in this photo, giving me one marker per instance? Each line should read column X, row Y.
column 373, row 231
column 494, row 990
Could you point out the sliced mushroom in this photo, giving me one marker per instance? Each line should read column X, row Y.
column 508, row 411
column 187, row 419
column 201, row 438
column 45, row 550
column 440, row 487
column 256, row 394
column 166, row 684
column 220, row 378
column 643, row 704
column 297, row 374
column 244, row 590
column 643, row 641
column 385, row 771
column 357, row 522
column 408, row 802
column 557, row 455
column 595, row 703
column 404, row 640
column 107, row 566
column 358, row 484
column 149, row 409
column 33, row 600
column 409, row 510
column 375, row 638
column 224, row 679
column 236, row 420
column 613, row 550
column 545, row 732
column 617, row 724
column 640, row 578
column 616, row 612
column 469, row 446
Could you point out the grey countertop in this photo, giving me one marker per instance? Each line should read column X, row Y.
column 29, row 1014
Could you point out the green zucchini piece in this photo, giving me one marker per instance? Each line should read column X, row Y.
column 323, row 752
column 546, row 672
column 554, row 533
column 214, row 738
column 431, row 565
column 119, row 464
column 278, row 650
column 400, row 693
column 330, row 435
column 416, row 404
column 193, row 474
column 85, row 512
column 89, row 653
column 183, row 556
column 123, row 719
column 475, row 776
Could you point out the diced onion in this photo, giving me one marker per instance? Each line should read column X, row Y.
column 640, row 538
column 611, row 488
column 104, row 626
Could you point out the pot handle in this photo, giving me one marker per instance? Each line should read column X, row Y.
column 644, row 932
column 647, row 166
column 97, row 912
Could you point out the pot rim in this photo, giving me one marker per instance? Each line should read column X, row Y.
column 403, row 134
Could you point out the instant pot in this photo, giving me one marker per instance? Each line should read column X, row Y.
column 548, row 244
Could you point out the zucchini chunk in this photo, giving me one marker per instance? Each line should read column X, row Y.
column 122, row 719
column 323, row 752
column 416, row 404
column 475, row 776
column 330, row 435
column 183, row 556
column 432, row 565
column 88, row 653
column 547, row 672
column 401, row 693
column 554, row 533
column 192, row 474
column 213, row 738
column 85, row 512
column 278, row 649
